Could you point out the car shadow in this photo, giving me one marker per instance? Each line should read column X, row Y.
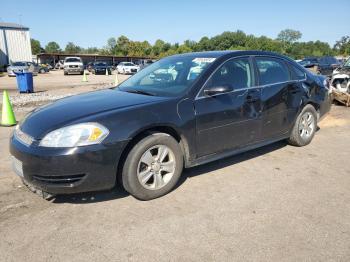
column 117, row 192
column 91, row 197
column 228, row 161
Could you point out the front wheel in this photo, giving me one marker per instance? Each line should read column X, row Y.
column 153, row 167
column 305, row 127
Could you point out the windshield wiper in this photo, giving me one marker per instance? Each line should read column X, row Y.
column 135, row 91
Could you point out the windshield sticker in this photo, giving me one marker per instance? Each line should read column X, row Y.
column 203, row 60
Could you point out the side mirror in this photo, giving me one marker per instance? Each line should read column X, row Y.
column 215, row 90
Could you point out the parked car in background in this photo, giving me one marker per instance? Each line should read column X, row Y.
column 59, row 64
column 22, row 66
column 127, row 68
column 89, row 66
column 143, row 132
column 321, row 65
column 100, row 68
column 340, row 80
column 73, row 65
column 44, row 68
column 145, row 63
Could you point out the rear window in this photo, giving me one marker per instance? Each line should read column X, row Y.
column 272, row 71
column 297, row 73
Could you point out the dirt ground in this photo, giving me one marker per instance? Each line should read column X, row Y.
column 277, row 203
column 55, row 80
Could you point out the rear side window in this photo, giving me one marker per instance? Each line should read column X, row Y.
column 272, row 70
column 296, row 73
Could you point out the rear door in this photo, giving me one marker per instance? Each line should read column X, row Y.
column 229, row 120
column 274, row 81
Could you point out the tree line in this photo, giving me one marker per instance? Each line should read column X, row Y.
column 287, row 42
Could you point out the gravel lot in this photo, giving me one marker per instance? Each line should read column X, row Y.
column 52, row 86
column 277, row 203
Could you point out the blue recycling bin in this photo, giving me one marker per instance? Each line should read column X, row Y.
column 25, row 82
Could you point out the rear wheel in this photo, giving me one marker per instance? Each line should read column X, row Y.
column 153, row 167
column 305, row 127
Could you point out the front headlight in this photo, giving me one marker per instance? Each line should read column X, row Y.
column 75, row 135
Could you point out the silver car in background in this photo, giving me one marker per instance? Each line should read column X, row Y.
column 22, row 66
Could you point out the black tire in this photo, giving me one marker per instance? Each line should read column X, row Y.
column 295, row 138
column 65, row 73
column 129, row 176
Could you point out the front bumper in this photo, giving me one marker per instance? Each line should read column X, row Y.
column 102, row 71
column 67, row 170
column 74, row 70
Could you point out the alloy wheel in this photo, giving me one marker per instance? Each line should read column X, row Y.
column 156, row 167
column 306, row 125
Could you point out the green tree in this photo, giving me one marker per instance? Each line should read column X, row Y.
column 36, row 47
column 71, row 48
column 342, row 46
column 122, row 45
column 52, row 47
column 289, row 35
column 111, row 45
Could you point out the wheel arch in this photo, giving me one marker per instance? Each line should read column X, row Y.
column 139, row 135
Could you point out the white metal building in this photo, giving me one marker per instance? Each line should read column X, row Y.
column 14, row 43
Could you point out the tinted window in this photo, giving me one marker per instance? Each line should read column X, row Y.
column 271, row 71
column 297, row 74
column 235, row 73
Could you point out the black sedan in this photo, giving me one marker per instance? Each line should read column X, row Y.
column 100, row 68
column 182, row 111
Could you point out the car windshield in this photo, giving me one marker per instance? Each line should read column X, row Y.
column 101, row 64
column 170, row 76
column 128, row 64
column 19, row 64
column 72, row 60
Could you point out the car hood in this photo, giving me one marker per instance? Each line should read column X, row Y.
column 68, row 110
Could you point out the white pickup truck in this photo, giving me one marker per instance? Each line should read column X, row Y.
column 73, row 65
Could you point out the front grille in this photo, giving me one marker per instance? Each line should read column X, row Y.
column 68, row 179
column 134, row 70
column 73, row 66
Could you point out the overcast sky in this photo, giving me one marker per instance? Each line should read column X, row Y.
column 91, row 23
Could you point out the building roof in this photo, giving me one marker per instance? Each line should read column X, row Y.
column 13, row 26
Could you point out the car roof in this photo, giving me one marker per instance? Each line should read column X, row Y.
column 217, row 54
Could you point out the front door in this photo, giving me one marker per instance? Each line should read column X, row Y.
column 229, row 120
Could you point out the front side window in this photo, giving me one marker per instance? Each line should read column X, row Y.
column 170, row 76
column 235, row 73
column 272, row 71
